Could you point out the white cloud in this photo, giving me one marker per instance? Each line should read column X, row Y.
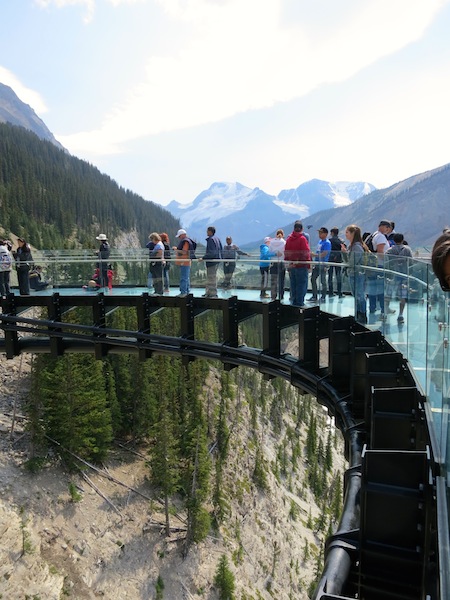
column 25, row 94
column 238, row 56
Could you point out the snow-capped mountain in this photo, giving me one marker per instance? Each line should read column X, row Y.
column 250, row 214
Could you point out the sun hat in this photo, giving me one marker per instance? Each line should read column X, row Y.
column 102, row 237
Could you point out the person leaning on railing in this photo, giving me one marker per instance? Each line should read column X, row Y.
column 440, row 259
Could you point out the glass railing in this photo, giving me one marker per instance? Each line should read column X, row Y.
column 406, row 304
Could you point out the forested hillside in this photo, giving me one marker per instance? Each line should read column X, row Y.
column 245, row 475
column 58, row 201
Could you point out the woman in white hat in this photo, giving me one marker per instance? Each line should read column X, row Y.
column 103, row 256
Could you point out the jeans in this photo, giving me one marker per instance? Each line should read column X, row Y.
column 299, row 284
column 277, row 275
column 264, row 279
column 228, row 270
column 211, row 279
column 166, row 278
column 322, row 271
column 185, row 273
column 357, row 284
column 338, row 272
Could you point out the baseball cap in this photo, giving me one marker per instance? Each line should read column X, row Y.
column 323, row 230
column 298, row 225
column 266, row 239
column 385, row 223
column 181, row 232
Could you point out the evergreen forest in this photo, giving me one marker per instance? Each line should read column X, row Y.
column 185, row 417
column 55, row 200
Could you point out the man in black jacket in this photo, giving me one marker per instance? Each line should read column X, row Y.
column 212, row 257
column 23, row 263
column 335, row 257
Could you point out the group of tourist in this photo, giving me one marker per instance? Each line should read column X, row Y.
column 362, row 255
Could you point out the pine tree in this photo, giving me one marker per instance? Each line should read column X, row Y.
column 75, row 413
column 164, row 461
column 224, row 580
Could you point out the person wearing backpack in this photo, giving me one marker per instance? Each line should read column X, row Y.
column 377, row 243
column 184, row 253
column 335, row 257
column 6, row 261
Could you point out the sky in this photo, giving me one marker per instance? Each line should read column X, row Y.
column 169, row 96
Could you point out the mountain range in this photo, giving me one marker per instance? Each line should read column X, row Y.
column 250, row 214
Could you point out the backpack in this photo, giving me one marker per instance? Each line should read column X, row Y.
column 192, row 247
column 336, row 250
column 370, row 259
column 5, row 261
column 369, row 242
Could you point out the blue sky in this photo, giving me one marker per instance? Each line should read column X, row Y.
column 169, row 96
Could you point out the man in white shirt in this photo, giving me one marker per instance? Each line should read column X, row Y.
column 375, row 281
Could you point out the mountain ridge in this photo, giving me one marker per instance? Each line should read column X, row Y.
column 16, row 112
column 245, row 213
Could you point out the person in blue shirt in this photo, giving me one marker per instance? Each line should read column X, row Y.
column 321, row 257
column 264, row 263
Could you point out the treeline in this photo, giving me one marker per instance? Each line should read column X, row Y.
column 186, row 417
column 58, row 201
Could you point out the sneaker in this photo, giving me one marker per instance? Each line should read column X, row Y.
column 181, row 295
column 390, row 311
column 400, row 319
column 322, row 298
column 264, row 295
column 312, row 299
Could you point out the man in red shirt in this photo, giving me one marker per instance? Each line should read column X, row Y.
column 297, row 255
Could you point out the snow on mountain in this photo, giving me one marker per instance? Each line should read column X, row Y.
column 249, row 214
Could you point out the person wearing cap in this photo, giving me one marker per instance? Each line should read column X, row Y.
column 375, row 281
column 320, row 257
column 264, row 264
column 23, row 259
column 298, row 256
column 230, row 252
column 103, row 256
column 212, row 256
column 184, row 252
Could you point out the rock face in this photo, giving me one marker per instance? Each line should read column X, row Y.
column 16, row 112
column 60, row 537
